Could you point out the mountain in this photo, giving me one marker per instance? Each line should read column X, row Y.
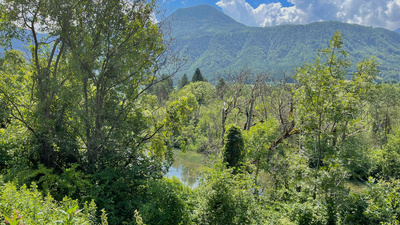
column 398, row 30
column 200, row 20
column 216, row 44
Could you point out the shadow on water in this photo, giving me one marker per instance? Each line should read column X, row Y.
column 186, row 167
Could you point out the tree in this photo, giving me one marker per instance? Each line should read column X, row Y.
column 25, row 20
column 83, row 92
column 183, row 81
column 327, row 106
column 326, row 103
column 225, row 198
column 197, row 76
column 233, row 153
column 163, row 88
column 102, row 62
column 232, row 92
column 220, row 88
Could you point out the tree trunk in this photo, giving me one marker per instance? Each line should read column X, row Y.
column 223, row 124
column 250, row 115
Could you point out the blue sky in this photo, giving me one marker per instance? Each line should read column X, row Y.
column 175, row 4
column 377, row 13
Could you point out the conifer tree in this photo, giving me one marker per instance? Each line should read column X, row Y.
column 197, row 76
column 233, row 152
column 183, row 81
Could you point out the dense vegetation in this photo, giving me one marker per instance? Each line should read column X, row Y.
column 88, row 124
column 217, row 43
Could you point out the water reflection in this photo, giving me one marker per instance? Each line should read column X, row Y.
column 186, row 167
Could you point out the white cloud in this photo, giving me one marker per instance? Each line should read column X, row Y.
column 379, row 13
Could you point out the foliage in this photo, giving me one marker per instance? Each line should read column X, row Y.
column 307, row 213
column 233, row 153
column 197, row 76
column 30, row 207
column 166, row 203
column 87, row 116
column 78, row 106
column 217, row 44
column 220, row 88
column 71, row 182
column 328, row 106
column 183, row 81
column 163, row 88
column 378, row 204
column 384, row 201
column 225, row 198
column 387, row 159
column 258, row 141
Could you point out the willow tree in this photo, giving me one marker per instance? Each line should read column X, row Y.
column 328, row 106
column 328, row 110
column 90, row 64
column 37, row 23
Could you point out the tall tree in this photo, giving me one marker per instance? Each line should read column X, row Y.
column 91, row 64
column 232, row 91
column 183, row 81
column 233, row 152
column 163, row 88
column 41, row 24
column 220, row 88
column 327, row 106
column 197, row 76
column 88, row 73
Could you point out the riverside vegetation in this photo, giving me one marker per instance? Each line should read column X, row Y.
column 88, row 129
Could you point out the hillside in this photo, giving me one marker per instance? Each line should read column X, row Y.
column 217, row 43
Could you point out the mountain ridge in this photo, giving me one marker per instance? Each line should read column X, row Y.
column 205, row 18
column 217, row 47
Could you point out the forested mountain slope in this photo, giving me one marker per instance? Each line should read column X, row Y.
column 217, row 43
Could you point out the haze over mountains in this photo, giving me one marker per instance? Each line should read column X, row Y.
column 217, row 44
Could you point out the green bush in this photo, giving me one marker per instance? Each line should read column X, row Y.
column 308, row 214
column 166, row 203
column 28, row 206
column 384, row 202
column 225, row 198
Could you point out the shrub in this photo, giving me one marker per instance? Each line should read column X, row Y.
column 28, row 206
column 166, row 203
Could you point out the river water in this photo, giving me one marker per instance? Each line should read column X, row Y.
column 187, row 167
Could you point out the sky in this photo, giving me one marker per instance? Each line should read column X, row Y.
column 376, row 13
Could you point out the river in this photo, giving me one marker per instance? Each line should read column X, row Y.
column 186, row 167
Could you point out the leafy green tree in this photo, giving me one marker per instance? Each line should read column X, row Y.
column 233, row 153
column 203, row 92
column 328, row 106
column 220, row 88
column 82, row 96
column 384, row 108
column 91, row 66
column 258, row 141
column 167, row 202
column 162, row 87
column 47, row 74
column 387, row 159
column 225, row 198
column 328, row 110
column 183, row 82
column 197, row 76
